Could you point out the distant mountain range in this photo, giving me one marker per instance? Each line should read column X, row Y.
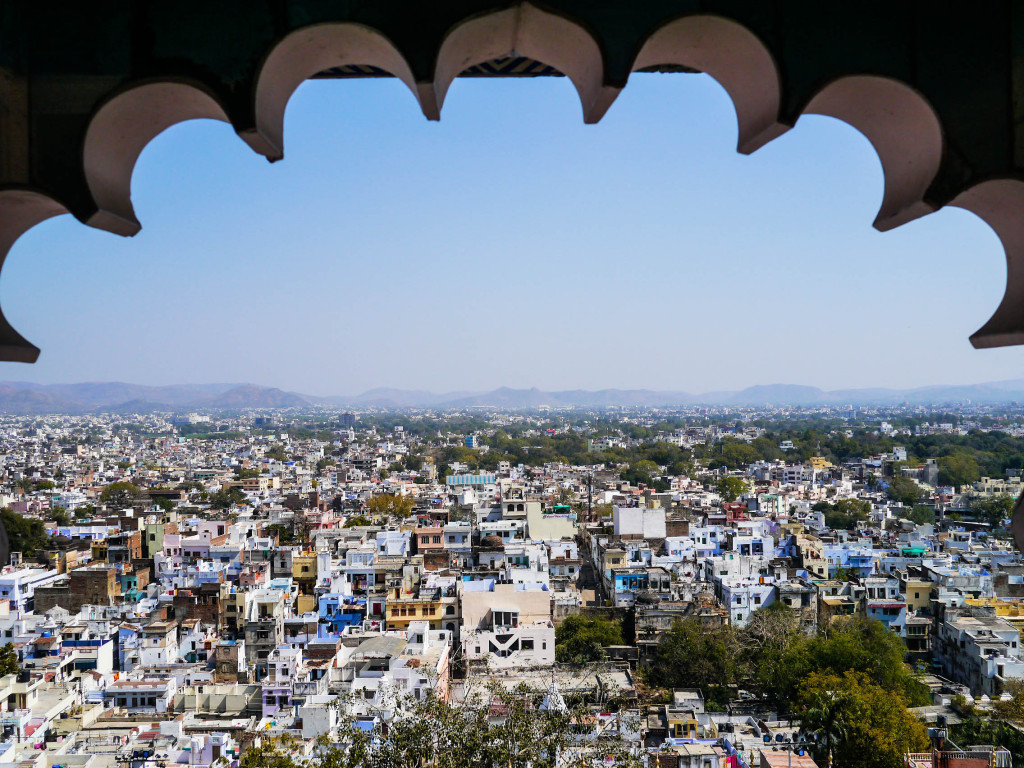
column 27, row 398
column 93, row 397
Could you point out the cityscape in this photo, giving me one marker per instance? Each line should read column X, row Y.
column 699, row 585
column 512, row 384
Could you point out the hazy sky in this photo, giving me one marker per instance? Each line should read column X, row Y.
column 510, row 245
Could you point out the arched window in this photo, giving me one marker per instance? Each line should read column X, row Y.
column 449, row 611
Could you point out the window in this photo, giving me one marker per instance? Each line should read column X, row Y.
column 526, row 645
column 544, row 645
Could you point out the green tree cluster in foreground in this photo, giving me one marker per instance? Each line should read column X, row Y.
column 499, row 729
column 856, row 723
column 772, row 657
column 849, row 684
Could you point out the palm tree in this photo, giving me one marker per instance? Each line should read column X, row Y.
column 825, row 722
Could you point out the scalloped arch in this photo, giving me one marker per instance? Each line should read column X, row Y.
column 20, row 210
column 526, row 30
column 749, row 56
column 118, row 133
column 302, row 54
column 735, row 58
column 999, row 203
column 904, row 130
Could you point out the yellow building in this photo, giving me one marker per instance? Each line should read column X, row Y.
column 917, row 593
column 99, row 551
column 820, row 463
column 612, row 558
column 400, row 612
column 232, row 605
column 304, row 566
column 1009, row 608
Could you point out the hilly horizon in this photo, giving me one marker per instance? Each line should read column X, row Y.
column 27, row 398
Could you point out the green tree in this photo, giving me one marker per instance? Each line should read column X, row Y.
column 731, row 488
column 825, row 717
column 245, row 473
column 764, row 643
column 858, row 723
column 1013, row 709
column 9, row 660
column 358, row 520
column 84, row 512
column 691, row 654
column 958, row 469
column 978, row 728
column 855, row 644
column 845, row 513
column 276, row 452
column 267, row 755
column 904, row 490
column 121, row 494
column 531, row 729
column 284, row 533
column 60, row 516
column 163, row 503
column 922, row 515
column 227, row 497
column 992, row 509
column 579, row 638
column 25, row 535
column 389, row 505
column 733, row 454
column 644, row 472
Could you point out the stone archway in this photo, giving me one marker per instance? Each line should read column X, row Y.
column 935, row 91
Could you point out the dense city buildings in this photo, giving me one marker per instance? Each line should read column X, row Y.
column 183, row 587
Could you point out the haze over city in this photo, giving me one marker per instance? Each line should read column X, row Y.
column 510, row 245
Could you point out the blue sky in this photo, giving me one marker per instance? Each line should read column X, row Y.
column 510, row 245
